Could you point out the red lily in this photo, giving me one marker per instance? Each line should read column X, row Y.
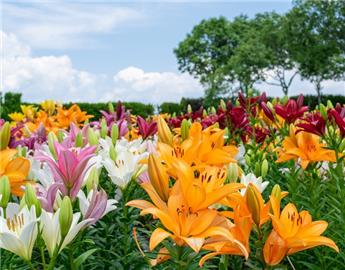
column 146, row 129
column 314, row 123
column 292, row 110
column 339, row 119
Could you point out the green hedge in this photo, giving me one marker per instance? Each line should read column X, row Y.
column 170, row 107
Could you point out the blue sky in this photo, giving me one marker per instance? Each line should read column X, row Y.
column 98, row 50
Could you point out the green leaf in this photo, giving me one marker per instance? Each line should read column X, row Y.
column 82, row 258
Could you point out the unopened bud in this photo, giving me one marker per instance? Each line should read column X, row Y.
column 92, row 137
column 222, row 105
column 92, row 179
column 66, row 216
column 79, row 140
column 257, row 169
column 323, row 111
column 31, row 199
column 111, row 107
column 232, row 172
column 264, row 168
column 329, row 105
column 114, row 133
column 164, row 132
column 189, row 108
column 253, row 203
column 5, row 191
column 5, row 135
column 185, row 125
column 51, row 141
column 112, row 152
column 60, row 136
column 104, row 128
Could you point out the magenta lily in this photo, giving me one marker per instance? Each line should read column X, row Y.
column 70, row 167
column 146, row 129
column 293, row 109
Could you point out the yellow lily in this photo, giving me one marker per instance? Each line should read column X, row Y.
column 305, row 146
column 16, row 169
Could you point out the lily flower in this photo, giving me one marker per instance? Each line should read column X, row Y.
column 306, row 147
column 292, row 232
column 313, row 123
column 70, row 167
column 183, row 224
column 256, row 181
column 146, row 129
column 339, row 118
column 51, row 230
column 18, row 230
column 96, row 205
column 15, row 168
column 292, row 110
column 126, row 167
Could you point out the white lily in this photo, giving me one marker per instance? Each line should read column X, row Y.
column 18, row 231
column 257, row 181
column 51, row 232
column 125, row 167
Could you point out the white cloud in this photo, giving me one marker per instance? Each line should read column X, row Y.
column 54, row 77
column 59, row 25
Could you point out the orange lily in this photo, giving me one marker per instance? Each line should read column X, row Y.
column 240, row 230
column 183, row 224
column 200, row 149
column 293, row 232
column 16, row 169
column 305, row 146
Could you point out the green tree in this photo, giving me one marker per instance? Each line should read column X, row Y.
column 316, row 30
column 205, row 54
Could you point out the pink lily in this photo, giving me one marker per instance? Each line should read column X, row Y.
column 70, row 167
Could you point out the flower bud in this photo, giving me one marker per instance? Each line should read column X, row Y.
column 111, row 107
column 342, row 146
column 91, row 136
column 247, row 159
column 31, row 199
column 79, row 140
column 114, row 133
column 329, row 105
column 323, row 111
column 158, row 177
column 93, row 179
column 222, row 105
column 185, row 125
column 5, row 135
column 60, row 136
column 164, row 133
column 276, row 191
column 66, row 216
column 112, row 152
column 253, row 203
column 189, row 108
column 213, row 110
column 51, row 141
column 284, row 100
column 267, row 111
column 104, row 128
column 264, row 168
column 5, row 191
column 257, row 169
column 232, row 172
column 204, row 113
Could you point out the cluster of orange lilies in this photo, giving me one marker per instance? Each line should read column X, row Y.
column 52, row 115
column 199, row 207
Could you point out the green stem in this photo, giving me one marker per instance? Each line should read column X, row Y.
column 30, row 265
column 43, row 258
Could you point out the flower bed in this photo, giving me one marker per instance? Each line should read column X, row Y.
column 249, row 185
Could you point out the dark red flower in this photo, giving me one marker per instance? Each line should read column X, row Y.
column 146, row 129
column 261, row 134
column 314, row 123
column 292, row 110
column 267, row 111
column 339, row 120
